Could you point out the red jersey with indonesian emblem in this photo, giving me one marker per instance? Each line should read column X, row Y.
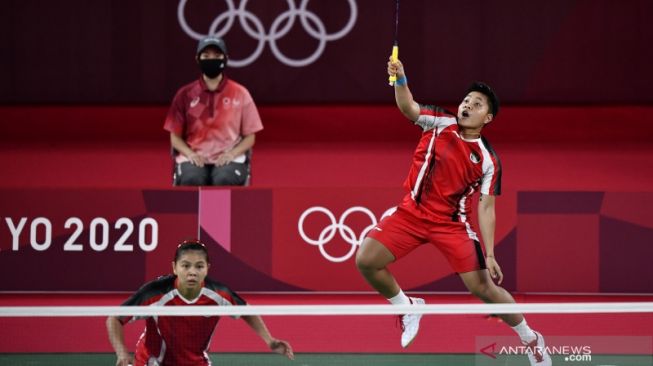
column 448, row 169
column 177, row 340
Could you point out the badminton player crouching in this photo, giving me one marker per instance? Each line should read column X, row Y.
column 182, row 340
column 451, row 162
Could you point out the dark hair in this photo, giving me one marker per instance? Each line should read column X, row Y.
column 192, row 244
column 492, row 98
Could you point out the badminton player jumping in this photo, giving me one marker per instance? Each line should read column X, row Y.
column 451, row 162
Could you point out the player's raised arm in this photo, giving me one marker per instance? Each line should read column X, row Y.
column 403, row 96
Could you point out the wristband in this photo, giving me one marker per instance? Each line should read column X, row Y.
column 402, row 81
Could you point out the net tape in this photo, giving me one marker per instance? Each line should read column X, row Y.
column 434, row 309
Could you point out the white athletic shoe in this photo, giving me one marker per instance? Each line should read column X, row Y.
column 410, row 324
column 537, row 353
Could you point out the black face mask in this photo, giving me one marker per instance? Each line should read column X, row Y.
column 212, row 67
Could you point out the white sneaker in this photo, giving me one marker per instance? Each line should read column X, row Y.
column 410, row 324
column 537, row 353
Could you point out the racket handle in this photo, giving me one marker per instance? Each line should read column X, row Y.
column 395, row 57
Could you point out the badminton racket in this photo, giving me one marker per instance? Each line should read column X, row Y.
column 395, row 48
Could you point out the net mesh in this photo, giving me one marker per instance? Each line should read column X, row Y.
column 584, row 333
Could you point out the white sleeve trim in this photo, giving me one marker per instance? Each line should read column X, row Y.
column 428, row 122
column 488, row 170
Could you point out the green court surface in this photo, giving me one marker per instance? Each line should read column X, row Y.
column 331, row 359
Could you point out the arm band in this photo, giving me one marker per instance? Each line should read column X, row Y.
column 401, row 81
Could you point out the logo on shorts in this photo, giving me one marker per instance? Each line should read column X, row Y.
column 474, row 157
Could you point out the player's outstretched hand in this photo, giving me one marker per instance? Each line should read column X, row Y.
column 495, row 269
column 395, row 68
column 124, row 360
column 282, row 348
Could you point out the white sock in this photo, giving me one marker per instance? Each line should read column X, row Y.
column 524, row 331
column 399, row 299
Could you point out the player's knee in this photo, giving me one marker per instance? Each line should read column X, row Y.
column 372, row 256
column 482, row 290
column 364, row 261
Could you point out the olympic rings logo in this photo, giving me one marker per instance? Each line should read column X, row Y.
column 311, row 23
column 338, row 226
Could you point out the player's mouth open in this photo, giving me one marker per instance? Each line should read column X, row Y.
column 465, row 114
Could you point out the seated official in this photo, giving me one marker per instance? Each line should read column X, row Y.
column 212, row 123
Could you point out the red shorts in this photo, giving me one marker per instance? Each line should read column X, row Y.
column 402, row 232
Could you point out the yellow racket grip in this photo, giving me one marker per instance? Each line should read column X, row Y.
column 394, row 57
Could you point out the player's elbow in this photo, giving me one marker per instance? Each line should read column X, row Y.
column 409, row 110
column 484, row 210
column 112, row 323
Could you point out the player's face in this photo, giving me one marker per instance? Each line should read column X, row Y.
column 191, row 268
column 474, row 110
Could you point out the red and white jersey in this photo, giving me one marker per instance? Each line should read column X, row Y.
column 447, row 169
column 212, row 122
column 177, row 340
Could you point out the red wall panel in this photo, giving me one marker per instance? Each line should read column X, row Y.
column 557, row 253
column 560, row 51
